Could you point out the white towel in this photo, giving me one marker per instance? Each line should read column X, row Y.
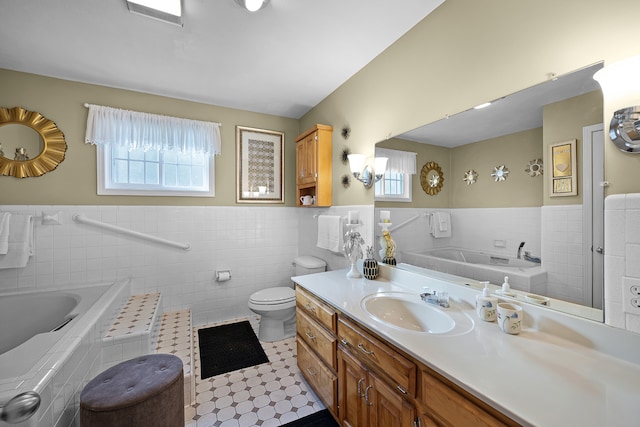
column 20, row 246
column 330, row 232
column 4, row 232
column 440, row 225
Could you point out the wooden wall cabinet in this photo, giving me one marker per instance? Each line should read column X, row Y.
column 314, row 167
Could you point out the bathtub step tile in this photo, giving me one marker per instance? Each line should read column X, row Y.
column 175, row 338
column 136, row 316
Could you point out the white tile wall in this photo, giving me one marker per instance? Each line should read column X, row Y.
column 562, row 252
column 622, row 257
column 474, row 229
column 257, row 244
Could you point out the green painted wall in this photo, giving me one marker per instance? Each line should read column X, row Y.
column 465, row 53
column 74, row 181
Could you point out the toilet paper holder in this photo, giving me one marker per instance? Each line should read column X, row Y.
column 223, row 275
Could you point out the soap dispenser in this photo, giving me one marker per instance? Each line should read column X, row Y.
column 506, row 289
column 486, row 305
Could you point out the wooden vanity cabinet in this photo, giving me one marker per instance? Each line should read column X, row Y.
column 314, row 165
column 364, row 380
column 446, row 404
column 316, row 345
column 374, row 380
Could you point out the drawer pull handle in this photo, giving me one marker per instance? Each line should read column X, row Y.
column 311, row 372
column 310, row 335
column 402, row 390
column 344, row 341
column 364, row 350
column 366, row 396
column 360, row 393
column 310, row 308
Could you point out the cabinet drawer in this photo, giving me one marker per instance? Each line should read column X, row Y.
column 450, row 408
column 316, row 337
column 316, row 309
column 323, row 381
column 378, row 355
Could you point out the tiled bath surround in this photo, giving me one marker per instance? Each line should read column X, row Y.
column 258, row 245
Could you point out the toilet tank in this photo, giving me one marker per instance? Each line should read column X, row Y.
column 309, row 265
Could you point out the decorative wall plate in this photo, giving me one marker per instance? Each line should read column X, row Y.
column 534, row 168
column 470, row 177
column 500, row 173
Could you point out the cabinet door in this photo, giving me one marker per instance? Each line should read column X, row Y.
column 352, row 380
column 301, row 162
column 388, row 408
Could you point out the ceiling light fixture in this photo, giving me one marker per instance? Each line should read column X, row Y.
column 163, row 10
column 481, row 106
column 253, row 5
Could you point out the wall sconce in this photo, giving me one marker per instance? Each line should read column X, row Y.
column 621, row 90
column 252, row 5
column 365, row 173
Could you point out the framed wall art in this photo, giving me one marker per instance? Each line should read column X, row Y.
column 563, row 169
column 260, row 165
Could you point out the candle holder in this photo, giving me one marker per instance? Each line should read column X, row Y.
column 353, row 242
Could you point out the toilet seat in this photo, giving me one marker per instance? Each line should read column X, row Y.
column 273, row 296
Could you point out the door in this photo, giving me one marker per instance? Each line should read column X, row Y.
column 388, row 408
column 593, row 213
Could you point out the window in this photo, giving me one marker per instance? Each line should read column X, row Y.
column 395, row 185
column 151, row 155
column 154, row 172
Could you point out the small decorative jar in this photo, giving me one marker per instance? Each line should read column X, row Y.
column 389, row 260
column 370, row 265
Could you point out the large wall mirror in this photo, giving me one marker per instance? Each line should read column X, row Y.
column 543, row 243
column 30, row 144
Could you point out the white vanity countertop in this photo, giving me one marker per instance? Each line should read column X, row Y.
column 557, row 372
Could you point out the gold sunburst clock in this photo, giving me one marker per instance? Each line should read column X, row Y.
column 431, row 178
column 52, row 139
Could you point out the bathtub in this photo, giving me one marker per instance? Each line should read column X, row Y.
column 523, row 275
column 51, row 344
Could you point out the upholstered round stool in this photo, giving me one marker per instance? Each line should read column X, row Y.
column 145, row 391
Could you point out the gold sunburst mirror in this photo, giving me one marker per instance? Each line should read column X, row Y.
column 47, row 146
column 431, row 178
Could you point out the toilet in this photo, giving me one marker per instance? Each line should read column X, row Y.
column 277, row 306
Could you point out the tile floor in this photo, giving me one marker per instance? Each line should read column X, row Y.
column 270, row 394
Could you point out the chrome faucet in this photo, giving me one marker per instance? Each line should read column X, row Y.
column 434, row 297
column 520, row 250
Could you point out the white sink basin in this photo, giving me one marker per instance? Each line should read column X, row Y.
column 408, row 312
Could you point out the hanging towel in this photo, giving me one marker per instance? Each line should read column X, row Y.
column 20, row 246
column 330, row 232
column 440, row 225
column 4, row 232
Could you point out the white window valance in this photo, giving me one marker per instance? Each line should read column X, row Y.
column 399, row 161
column 137, row 130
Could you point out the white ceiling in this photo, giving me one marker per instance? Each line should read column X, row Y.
column 514, row 113
column 282, row 60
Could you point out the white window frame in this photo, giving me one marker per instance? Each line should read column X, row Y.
column 406, row 197
column 107, row 187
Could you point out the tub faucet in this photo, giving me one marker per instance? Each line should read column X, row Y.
column 520, row 250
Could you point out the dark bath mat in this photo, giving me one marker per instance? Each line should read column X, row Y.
column 317, row 419
column 226, row 348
